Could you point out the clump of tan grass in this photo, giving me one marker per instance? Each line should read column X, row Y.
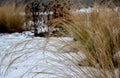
column 97, row 35
column 10, row 18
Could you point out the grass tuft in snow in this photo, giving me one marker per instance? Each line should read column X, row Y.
column 97, row 35
column 10, row 18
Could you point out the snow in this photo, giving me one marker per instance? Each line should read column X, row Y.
column 84, row 10
column 22, row 56
column 89, row 10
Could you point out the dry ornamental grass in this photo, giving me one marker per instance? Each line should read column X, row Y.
column 10, row 18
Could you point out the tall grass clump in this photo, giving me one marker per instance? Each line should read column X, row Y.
column 97, row 35
column 10, row 18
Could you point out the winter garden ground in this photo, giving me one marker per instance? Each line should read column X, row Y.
column 24, row 57
column 32, row 55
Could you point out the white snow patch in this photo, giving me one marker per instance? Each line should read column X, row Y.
column 26, row 57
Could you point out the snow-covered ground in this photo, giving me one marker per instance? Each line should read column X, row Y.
column 89, row 10
column 25, row 57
